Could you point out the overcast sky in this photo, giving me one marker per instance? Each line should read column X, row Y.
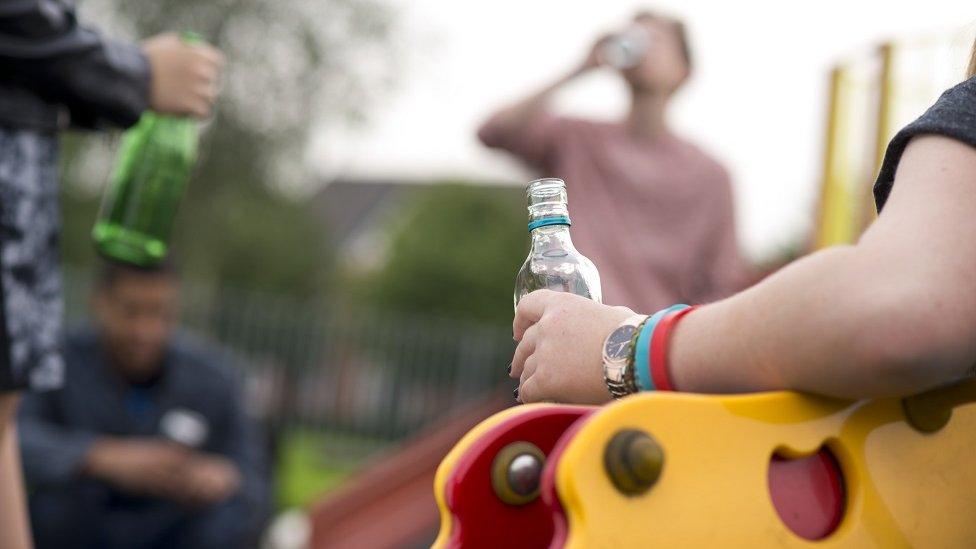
column 756, row 101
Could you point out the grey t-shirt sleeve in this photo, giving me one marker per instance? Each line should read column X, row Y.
column 953, row 115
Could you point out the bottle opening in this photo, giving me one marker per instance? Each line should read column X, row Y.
column 547, row 202
column 549, row 190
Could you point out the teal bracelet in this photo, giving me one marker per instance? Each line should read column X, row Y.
column 642, row 352
column 642, row 361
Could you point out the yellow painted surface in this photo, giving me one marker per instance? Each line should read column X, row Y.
column 838, row 210
column 904, row 488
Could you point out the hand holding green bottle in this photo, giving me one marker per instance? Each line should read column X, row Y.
column 157, row 154
column 184, row 71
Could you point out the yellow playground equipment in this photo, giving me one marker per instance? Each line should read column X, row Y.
column 686, row 470
column 871, row 97
column 769, row 469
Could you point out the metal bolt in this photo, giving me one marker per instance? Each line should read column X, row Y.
column 524, row 474
column 516, row 473
column 926, row 412
column 633, row 460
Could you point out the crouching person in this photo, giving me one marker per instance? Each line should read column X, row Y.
column 147, row 444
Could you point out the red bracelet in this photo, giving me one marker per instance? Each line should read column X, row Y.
column 660, row 372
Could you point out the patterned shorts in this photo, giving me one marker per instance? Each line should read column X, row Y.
column 30, row 277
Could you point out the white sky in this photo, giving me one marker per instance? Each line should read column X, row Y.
column 756, row 101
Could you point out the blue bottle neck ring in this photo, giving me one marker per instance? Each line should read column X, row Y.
column 546, row 221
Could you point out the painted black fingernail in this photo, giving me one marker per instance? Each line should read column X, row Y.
column 509, row 368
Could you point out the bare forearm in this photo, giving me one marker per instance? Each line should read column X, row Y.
column 894, row 315
column 521, row 113
column 814, row 326
column 14, row 532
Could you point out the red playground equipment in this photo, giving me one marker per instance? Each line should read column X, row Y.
column 691, row 470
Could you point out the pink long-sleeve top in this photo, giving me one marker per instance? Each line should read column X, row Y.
column 655, row 216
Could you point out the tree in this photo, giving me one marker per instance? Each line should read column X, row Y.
column 455, row 252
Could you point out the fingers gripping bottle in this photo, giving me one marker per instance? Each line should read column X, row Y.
column 140, row 204
column 553, row 262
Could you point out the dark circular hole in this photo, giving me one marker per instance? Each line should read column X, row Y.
column 808, row 493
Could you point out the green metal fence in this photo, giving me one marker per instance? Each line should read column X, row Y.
column 361, row 378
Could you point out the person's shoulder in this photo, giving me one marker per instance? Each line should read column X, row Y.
column 209, row 360
column 575, row 131
column 953, row 116
column 707, row 165
column 79, row 337
column 956, row 107
column 965, row 90
column 80, row 348
column 567, row 123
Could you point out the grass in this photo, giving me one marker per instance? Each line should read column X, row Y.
column 312, row 463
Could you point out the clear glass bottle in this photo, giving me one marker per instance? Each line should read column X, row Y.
column 553, row 262
column 626, row 49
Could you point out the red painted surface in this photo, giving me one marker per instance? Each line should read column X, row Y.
column 481, row 520
column 560, row 526
column 808, row 493
column 390, row 503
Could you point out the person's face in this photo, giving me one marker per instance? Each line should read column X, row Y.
column 663, row 68
column 136, row 315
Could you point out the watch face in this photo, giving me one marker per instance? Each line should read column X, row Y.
column 617, row 346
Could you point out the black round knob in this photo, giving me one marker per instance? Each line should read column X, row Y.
column 633, row 460
column 926, row 412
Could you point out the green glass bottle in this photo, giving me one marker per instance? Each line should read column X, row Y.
column 151, row 172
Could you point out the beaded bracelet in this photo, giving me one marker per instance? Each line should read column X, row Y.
column 632, row 358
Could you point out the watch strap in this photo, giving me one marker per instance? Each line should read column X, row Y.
column 619, row 375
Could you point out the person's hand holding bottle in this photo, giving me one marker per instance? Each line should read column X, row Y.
column 184, row 75
column 560, row 337
column 594, row 56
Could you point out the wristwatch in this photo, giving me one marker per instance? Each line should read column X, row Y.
column 618, row 357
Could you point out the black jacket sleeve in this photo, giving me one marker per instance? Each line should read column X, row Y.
column 101, row 81
column 52, row 453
